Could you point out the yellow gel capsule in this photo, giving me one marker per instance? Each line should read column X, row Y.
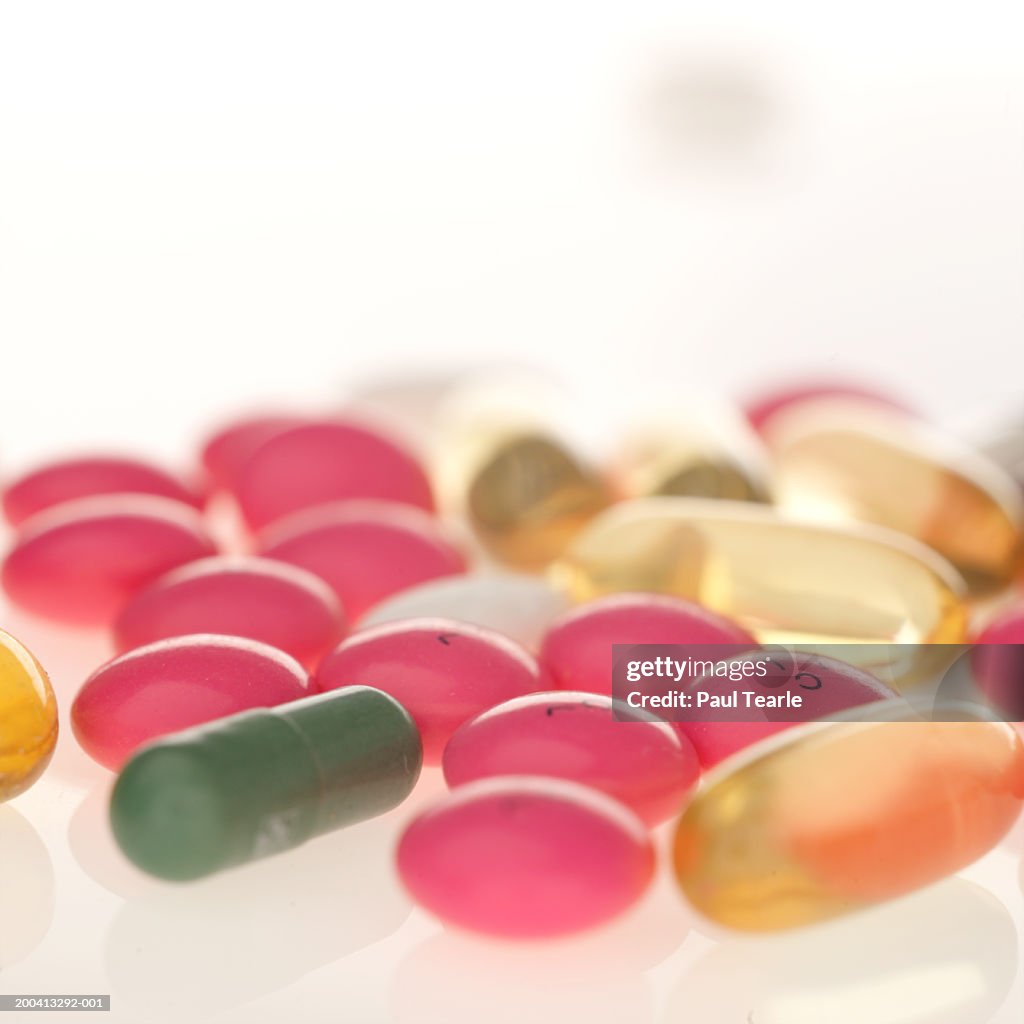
column 693, row 460
column 844, row 816
column 836, row 465
column 787, row 582
column 28, row 718
column 528, row 496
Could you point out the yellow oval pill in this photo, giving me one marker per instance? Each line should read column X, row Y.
column 28, row 718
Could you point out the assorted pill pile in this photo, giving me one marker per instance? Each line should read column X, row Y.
column 328, row 610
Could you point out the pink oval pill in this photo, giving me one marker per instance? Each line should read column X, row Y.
column 89, row 477
column 762, row 408
column 824, row 685
column 577, row 649
column 320, row 462
column 227, row 450
column 176, row 684
column 82, row 561
column 524, row 857
column 277, row 604
column 631, row 755
column 365, row 550
column 441, row 671
column 997, row 663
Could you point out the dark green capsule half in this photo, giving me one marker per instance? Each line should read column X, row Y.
column 263, row 781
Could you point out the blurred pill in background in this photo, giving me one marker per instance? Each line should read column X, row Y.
column 441, row 671
column 88, row 477
column 174, row 684
column 366, row 551
column 278, row 604
column 80, row 562
column 833, row 465
column 786, row 581
column 322, row 461
column 225, row 452
column 713, row 454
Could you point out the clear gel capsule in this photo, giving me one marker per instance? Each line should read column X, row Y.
column 523, row 492
column 844, row 816
column 705, row 456
column 787, row 582
column 263, row 781
column 28, row 718
column 835, row 465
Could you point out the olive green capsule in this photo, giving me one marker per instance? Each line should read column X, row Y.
column 263, row 781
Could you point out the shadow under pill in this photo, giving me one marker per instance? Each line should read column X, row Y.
column 597, row 976
column 26, row 888
column 947, row 955
column 219, row 942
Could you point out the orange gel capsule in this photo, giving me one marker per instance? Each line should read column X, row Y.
column 845, row 816
column 840, row 465
column 786, row 582
column 28, row 718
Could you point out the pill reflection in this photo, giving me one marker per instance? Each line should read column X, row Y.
column 944, row 956
column 26, row 888
column 222, row 941
column 597, row 976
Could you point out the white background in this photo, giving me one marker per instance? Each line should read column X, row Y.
column 208, row 205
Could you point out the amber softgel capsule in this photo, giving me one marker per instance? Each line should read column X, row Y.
column 838, row 464
column 845, row 816
column 785, row 581
column 28, row 718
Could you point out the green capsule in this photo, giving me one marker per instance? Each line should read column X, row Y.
column 263, row 781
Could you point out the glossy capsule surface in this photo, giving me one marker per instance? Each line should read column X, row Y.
column 175, row 684
column 365, row 550
column 837, row 466
column 523, row 857
column 844, row 816
column 577, row 648
column 80, row 562
column 277, row 604
column 631, row 755
column 766, row 409
column 227, row 450
column 88, row 477
column 518, row 605
column 527, row 496
column 825, row 686
column 28, row 718
column 263, row 781
column 441, row 671
column 318, row 462
column 787, row 582
column 707, row 456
